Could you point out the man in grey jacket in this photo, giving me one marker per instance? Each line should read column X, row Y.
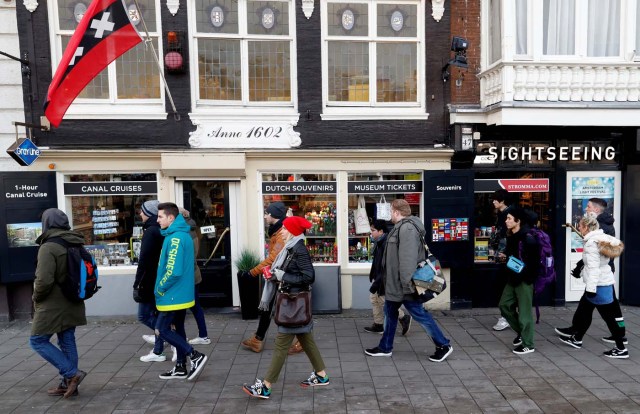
column 403, row 252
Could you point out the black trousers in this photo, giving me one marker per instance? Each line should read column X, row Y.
column 265, row 320
column 610, row 313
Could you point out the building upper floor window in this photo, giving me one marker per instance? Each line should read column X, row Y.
column 495, row 31
column 243, row 52
column 373, row 56
column 133, row 78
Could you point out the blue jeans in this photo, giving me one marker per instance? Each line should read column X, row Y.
column 65, row 358
column 419, row 314
column 148, row 316
column 177, row 338
column 198, row 313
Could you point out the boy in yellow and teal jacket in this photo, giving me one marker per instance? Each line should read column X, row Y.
column 174, row 291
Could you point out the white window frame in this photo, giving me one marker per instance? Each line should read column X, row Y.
column 210, row 109
column 366, row 110
column 111, row 108
column 510, row 25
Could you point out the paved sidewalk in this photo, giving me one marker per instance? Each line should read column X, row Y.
column 481, row 376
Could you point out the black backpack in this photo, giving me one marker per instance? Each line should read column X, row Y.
column 81, row 282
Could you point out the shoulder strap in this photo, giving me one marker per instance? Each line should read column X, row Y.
column 424, row 242
column 58, row 240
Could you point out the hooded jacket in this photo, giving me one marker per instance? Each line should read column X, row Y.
column 174, row 283
column 150, row 248
column 605, row 221
column 401, row 256
column 53, row 312
column 599, row 248
column 376, row 274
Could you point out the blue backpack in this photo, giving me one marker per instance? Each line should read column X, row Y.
column 81, row 282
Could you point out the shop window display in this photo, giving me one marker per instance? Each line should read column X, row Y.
column 312, row 196
column 376, row 188
column 105, row 209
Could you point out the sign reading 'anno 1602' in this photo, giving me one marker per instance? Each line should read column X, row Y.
column 244, row 135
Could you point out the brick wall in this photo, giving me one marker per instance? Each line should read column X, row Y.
column 465, row 22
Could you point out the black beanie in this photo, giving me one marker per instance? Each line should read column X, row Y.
column 277, row 210
column 520, row 215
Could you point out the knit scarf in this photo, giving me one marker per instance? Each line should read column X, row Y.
column 271, row 285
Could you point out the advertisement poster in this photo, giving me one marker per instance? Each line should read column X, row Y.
column 581, row 186
column 449, row 229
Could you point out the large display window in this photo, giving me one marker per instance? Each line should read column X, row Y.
column 105, row 209
column 371, row 190
column 312, row 196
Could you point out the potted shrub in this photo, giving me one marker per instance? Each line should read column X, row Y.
column 249, row 288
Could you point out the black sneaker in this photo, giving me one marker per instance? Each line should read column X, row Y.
column 565, row 332
column 442, row 352
column 377, row 352
column 375, row 328
column 517, row 341
column 405, row 322
column 617, row 353
column 197, row 363
column 572, row 341
column 521, row 350
column 178, row 372
column 609, row 339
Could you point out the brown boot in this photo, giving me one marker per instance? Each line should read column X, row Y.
column 73, row 382
column 60, row 389
column 296, row 348
column 253, row 344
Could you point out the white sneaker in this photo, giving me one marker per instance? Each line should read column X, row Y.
column 501, row 325
column 200, row 341
column 174, row 357
column 150, row 339
column 151, row 357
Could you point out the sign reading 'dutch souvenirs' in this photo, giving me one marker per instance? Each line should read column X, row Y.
column 244, row 135
column 546, row 153
column 299, row 187
column 24, row 151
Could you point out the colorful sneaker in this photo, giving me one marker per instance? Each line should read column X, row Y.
column 517, row 341
column 521, row 350
column 257, row 390
column 565, row 332
column 572, row 341
column 405, row 322
column 617, row 353
column 150, row 339
column 501, row 325
column 200, row 341
column 197, row 363
column 610, row 340
column 375, row 328
column 152, row 357
column 177, row 372
column 315, row 380
column 377, row 352
column 442, row 352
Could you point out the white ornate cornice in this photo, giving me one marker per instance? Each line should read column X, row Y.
column 437, row 9
column 307, row 8
column 31, row 5
column 173, row 6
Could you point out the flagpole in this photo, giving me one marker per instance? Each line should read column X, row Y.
column 176, row 115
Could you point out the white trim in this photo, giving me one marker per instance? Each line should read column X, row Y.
column 366, row 113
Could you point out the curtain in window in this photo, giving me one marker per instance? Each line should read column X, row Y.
column 603, row 28
column 495, row 32
column 521, row 27
column 559, row 27
column 638, row 30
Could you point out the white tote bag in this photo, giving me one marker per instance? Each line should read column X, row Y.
column 383, row 209
column 362, row 220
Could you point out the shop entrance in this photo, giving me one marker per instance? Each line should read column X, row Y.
column 209, row 204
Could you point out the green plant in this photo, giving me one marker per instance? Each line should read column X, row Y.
column 247, row 260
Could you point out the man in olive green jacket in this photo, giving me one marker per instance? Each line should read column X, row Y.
column 53, row 312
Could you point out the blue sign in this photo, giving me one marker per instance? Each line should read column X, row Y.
column 25, row 152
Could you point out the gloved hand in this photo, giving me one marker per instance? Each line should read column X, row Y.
column 591, row 295
column 136, row 295
column 578, row 269
column 279, row 274
column 373, row 288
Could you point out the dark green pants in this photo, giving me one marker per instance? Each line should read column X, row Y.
column 515, row 306
column 283, row 342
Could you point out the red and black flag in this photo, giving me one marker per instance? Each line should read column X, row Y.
column 104, row 33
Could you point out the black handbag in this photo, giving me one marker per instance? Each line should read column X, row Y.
column 293, row 310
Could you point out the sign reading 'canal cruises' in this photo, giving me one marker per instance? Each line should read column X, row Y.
column 24, row 151
column 111, row 188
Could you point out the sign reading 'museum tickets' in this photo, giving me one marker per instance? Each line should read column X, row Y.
column 299, row 187
column 380, row 187
column 111, row 188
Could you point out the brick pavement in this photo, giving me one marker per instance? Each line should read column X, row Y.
column 481, row 376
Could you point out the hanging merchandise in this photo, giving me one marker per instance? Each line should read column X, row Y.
column 362, row 220
column 383, row 209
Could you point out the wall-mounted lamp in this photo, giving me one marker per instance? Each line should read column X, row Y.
column 459, row 46
column 174, row 56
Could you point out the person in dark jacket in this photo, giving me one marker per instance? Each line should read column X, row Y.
column 517, row 297
column 403, row 252
column 143, row 286
column 293, row 271
column 500, row 200
column 376, row 276
column 53, row 312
